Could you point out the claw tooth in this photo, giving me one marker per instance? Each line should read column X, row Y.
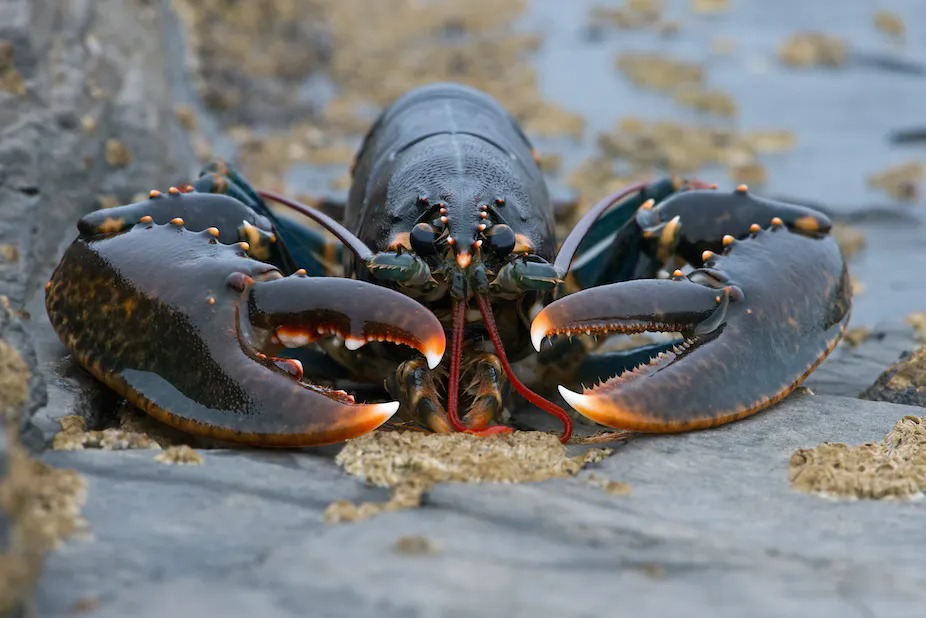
column 293, row 339
column 354, row 343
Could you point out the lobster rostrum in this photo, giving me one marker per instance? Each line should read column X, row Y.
column 212, row 312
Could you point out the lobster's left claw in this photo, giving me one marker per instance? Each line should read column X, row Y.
column 755, row 322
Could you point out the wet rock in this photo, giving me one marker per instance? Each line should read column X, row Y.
column 248, row 528
column 903, row 382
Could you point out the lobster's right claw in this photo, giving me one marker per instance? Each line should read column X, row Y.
column 755, row 320
column 297, row 310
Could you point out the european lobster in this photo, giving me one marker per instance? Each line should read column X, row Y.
column 186, row 303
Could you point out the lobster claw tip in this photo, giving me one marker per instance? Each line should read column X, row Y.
column 539, row 329
column 434, row 356
column 384, row 410
column 585, row 404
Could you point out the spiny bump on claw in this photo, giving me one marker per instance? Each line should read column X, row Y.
column 749, row 311
column 717, row 299
column 754, row 228
column 154, row 193
column 301, row 272
column 443, row 211
column 714, row 186
column 450, row 240
column 727, row 240
column 188, row 189
column 483, row 215
column 742, row 189
column 477, row 244
column 706, row 255
column 678, row 274
column 177, row 221
column 48, row 285
column 213, row 231
column 648, row 204
column 482, row 227
column 500, row 201
column 211, row 300
column 174, row 191
column 443, row 219
column 483, row 206
column 776, row 221
column 146, row 219
column 238, row 281
column 244, row 245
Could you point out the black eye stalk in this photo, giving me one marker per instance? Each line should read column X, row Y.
column 422, row 237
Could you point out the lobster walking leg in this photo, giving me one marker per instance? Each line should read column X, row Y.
column 414, row 385
column 485, row 388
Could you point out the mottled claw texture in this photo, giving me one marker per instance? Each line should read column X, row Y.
column 187, row 327
column 757, row 318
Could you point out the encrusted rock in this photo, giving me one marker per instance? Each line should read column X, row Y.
column 903, row 382
column 892, row 468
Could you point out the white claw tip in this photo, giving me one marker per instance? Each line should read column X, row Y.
column 433, row 359
column 354, row 343
column 576, row 400
column 537, row 337
column 387, row 409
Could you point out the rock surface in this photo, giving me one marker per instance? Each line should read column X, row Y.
column 711, row 522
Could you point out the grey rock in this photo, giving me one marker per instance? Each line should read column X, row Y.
column 711, row 523
column 850, row 370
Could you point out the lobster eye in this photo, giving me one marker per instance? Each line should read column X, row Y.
column 500, row 239
column 422, row 238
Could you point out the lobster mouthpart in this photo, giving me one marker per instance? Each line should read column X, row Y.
column 171, row 320
column 756, row 321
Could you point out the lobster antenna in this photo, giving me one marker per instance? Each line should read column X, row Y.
column 342, row 233
column 569, row 247
column 548, row 406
